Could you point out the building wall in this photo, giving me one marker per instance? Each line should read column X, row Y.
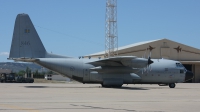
column 164, row 48
column 161, row 49
column 197, row 73
column 5, row 71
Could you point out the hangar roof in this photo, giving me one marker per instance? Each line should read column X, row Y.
column 127, row 46
column 160, row 48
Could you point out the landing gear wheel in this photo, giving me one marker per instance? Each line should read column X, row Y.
column 111, row 86
column 103, row 85
column 172, row 85
column 118, row 86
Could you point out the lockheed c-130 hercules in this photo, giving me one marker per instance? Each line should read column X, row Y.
column 109, row 72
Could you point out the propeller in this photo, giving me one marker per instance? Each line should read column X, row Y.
column 149, row 62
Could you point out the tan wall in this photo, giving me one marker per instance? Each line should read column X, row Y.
column 5, row 71
column 197, row 73
column 165, row 48
column 162, row 49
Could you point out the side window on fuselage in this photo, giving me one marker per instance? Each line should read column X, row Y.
column 181, row 71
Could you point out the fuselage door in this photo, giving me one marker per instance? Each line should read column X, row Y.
column 171, row 76
column 86, row 75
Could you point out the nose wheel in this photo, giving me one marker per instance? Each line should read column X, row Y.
column 172, row 85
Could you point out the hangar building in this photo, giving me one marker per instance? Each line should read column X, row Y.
column 163, row 48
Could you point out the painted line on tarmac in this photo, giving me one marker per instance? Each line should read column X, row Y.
column 18, row 108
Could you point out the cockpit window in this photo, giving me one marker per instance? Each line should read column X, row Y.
column 179, row 65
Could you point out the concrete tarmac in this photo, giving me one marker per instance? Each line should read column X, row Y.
column 48, row 97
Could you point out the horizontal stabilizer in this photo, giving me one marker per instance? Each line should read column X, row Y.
column 24, row 59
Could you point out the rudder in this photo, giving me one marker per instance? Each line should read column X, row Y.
column 25, row 41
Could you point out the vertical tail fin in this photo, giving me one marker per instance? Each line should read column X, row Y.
column 25, row 41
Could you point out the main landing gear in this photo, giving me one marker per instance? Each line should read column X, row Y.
column 172, row 85
column 111, row 86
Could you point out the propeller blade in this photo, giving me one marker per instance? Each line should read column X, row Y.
column 150, row 53
column 149, row 61
column 150, row 68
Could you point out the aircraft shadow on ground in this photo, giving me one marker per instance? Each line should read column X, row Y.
column 131, row 88
column 55, row 87
column 36, row 86
column 125, row 88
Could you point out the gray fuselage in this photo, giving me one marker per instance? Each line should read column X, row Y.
column 160, row 72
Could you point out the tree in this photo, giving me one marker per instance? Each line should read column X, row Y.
column 21, row 73
column 49, row 72
column 28, row 72
column 36, row 72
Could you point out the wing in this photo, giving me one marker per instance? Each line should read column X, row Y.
column 119, row 64
column 126, row 61
column 113, row 61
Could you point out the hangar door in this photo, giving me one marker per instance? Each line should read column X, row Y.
column 188, row 67
column 165, row 53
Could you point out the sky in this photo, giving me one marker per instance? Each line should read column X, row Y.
column 77, row 27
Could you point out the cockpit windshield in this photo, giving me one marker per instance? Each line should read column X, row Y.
column 179, row 65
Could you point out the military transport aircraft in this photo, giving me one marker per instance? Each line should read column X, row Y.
column 109, row 72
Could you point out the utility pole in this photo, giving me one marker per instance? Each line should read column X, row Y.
column 111, row 35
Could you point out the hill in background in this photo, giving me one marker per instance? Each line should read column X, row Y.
column 17, row 66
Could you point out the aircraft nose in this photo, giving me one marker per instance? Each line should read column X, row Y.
column 189, row 75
